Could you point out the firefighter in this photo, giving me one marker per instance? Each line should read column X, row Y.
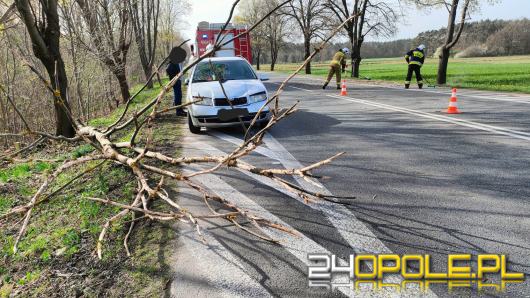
column 415, row 59
column 338, row 65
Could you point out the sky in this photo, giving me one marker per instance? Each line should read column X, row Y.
column 216, row 11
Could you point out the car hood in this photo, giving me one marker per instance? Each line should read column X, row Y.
column 233, row 88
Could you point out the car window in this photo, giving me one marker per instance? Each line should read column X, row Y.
column 223, row 70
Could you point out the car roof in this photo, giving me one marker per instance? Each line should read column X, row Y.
column 224, row 59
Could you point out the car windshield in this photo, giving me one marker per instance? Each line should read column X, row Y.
column 223, row 71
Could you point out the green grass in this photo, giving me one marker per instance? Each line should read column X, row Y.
column 65, row 229
column 143, row 98
column 491, row 73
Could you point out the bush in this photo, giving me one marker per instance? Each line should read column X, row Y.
column 473, row 51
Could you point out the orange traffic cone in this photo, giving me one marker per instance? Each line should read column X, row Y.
column 453, row 109
column 343, row 91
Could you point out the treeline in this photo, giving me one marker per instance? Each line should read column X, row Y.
column 293, row 52
column 481, row 38
column 487, row 38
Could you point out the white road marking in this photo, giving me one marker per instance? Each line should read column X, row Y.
column 224, row 277
column 357, row 235
column 490, row 128
column 300, row 88
column 301, row 246
column 523, row 99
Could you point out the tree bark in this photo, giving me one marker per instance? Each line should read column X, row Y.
column 258, row 58
column 451, row 39
column 356, row 60
column 274, row 54
column 45, row 39
column 443, row 62
column 307, row 49
column 124, row 86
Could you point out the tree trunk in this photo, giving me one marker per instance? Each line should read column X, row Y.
column 46, row 47
column 307, row 48
column 443, row 62
column 441, row 78
column 274, row 56
column 148, row 71
column 355, row 60
column 58, row 76
column 356, row 65
column 124, row 86
column 258, row 57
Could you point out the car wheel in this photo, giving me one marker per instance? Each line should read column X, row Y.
column 193, row 129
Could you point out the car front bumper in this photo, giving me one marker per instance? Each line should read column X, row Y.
column 207, row 116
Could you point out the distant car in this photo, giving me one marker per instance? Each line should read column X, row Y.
column 244, row 89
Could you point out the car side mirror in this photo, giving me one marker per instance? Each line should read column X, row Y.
column 263, row 77
column 186, row 82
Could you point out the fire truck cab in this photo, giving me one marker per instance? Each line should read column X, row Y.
column 207, row 34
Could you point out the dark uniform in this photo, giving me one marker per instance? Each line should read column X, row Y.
column 172, row 71
column 415, row 59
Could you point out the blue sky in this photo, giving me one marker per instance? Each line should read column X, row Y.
column 415, row 21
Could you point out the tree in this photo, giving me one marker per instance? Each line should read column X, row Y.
column 170, row 22
column 275, row 31
column 44, row 31
column 250, row 12
column 451, row 38
column 372, row 17
column 108, row 26
column 310, row 15
column 144, row 15
column 454, row 31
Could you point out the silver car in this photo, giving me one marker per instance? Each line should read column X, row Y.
column 245, row 94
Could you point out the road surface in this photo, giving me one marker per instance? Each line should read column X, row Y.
column 426, row 183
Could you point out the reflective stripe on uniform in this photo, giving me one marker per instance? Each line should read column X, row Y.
column 416, row 63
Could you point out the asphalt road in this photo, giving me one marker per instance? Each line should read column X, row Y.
column 426, row 183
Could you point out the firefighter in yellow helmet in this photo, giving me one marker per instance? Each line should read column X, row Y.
column 338, row 65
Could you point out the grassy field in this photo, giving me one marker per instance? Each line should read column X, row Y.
column 490, row 73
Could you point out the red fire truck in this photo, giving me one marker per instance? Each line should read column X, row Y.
column 207, row 34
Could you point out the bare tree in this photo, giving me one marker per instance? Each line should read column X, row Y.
column 250, row 12
column 44, row 31
column 144, row 16
column 374, row 17
column 454, row 31
column 108, row 26
column 169, row 24
column 310, row 15
column 276, row 30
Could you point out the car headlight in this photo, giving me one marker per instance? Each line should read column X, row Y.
column 257, row 97
column 206, row 101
